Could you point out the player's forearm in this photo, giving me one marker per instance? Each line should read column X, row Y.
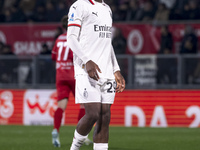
column 114, row 61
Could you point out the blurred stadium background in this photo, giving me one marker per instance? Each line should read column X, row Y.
column 157, row 46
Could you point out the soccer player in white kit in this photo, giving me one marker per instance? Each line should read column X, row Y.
column 96, row 69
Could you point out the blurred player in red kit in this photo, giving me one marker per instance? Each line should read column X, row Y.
column 65, row 81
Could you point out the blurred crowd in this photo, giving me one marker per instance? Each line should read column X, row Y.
column 123, row 10
column 7, row 74
column 33, row 10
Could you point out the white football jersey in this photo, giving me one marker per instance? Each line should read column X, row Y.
column 95, row 22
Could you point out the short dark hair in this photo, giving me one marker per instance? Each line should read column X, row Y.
column 64, row 21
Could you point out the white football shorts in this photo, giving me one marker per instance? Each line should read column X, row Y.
column 89, row 90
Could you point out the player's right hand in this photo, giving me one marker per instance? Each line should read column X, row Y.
column 92, row 69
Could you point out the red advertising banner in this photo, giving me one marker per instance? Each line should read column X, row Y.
column 157, row 108
column 142, row 108
column 145, row 38
column 27, row 39
column 40, row 105
column 11, row 106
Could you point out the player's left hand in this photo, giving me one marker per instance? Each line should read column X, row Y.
column 120, row 82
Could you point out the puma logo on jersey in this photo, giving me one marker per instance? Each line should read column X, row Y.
column 95, row 14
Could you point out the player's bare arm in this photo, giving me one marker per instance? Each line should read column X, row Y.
column 120, row 82
column 92, row 69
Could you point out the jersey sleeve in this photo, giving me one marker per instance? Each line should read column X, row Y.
column 76, row 15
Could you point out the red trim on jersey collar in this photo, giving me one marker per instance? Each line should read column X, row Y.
column 91, row 2
column 77, row 25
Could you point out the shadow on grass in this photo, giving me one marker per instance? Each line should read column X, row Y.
column 110, row 148
column 68, row 145
column 114, row 148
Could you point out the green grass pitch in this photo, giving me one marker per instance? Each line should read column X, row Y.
column 121, row 138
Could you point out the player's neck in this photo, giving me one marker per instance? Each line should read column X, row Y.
column 98, row 1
